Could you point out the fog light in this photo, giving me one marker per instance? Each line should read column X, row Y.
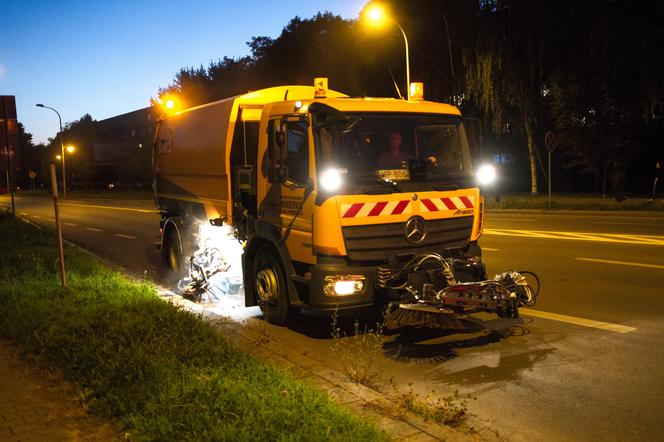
column 344, row 285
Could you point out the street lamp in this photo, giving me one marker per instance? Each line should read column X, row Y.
column 376, row 16
column 62, row 150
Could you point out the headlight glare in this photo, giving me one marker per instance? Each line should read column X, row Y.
column 486, row 174
column 330, row 180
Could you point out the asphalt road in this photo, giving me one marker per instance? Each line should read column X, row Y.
column 585, row 364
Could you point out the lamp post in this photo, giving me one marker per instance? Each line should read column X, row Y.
column 376, row 16
column 62, row 149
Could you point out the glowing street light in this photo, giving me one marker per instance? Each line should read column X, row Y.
column 70, row 149
column 62, row 150
column 376, row 16
column 169, row 103
column 58, row 157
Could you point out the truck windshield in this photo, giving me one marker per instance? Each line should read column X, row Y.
column 405, row 151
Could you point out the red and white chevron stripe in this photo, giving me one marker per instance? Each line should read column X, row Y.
column 360, row 210
column 452, row 203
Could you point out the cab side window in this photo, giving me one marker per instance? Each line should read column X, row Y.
column 298, row 151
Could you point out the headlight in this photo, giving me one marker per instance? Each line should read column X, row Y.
column 330, row 180
column 486, row 174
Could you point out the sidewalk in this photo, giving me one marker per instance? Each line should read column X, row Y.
column 36, row 406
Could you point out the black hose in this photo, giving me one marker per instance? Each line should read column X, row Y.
column 535, row 290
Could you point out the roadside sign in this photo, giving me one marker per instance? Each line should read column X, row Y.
column 550, row 141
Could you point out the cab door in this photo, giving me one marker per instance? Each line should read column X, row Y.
column 290, row 152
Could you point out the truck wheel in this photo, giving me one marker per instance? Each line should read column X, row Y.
column 270, row 283
column 173, row 259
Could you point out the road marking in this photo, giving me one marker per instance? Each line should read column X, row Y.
column 93, row 229
column 624, row 263
column 110, row 207
column 628, row 224
column 36, row 216
column 489, row 249
column 70, row 224
column 122, row 235
column 22, row 213
column 512, row 219
column 578, row 321
column 581, row 236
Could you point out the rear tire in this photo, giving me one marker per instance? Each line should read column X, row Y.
column 271, row 288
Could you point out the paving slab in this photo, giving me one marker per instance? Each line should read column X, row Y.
column 38, row 406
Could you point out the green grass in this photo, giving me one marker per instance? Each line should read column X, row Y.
column 572, row 202
column 161, row 371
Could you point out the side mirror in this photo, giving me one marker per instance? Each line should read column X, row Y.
column 282, row 173
column 273, row 173
column 277, row 145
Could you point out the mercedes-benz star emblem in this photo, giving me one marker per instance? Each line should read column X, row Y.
column 416, row 230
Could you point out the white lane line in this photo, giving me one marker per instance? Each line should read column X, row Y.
column 122, row 235
column 22, row 213
column 110, row 207
column 623, row 263
column 627, row 224
column 511, row 219
column 489, row 249
column 617, row 328
column 70, row 224
column 93, row 229
column 580, row 236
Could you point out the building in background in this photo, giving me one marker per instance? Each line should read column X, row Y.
column 121, row 153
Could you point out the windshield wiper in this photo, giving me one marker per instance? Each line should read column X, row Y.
column 378, row 180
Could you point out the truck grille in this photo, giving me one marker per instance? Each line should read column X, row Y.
column 379, row 242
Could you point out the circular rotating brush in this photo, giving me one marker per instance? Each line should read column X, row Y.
column 418, row 315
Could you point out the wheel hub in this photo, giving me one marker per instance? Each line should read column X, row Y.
column 267, row 285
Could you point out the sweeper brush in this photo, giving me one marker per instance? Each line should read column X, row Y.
column 431, row 295
column 419, row 315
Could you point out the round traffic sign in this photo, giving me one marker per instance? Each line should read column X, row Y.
column 550, row 141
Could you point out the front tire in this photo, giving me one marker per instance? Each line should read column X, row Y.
column 173, row 259
column 269, row 279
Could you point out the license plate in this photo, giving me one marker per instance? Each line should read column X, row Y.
column 394, row 174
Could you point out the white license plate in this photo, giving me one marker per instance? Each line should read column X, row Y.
column 394, row 174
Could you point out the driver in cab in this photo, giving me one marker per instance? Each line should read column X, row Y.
column 394, row 157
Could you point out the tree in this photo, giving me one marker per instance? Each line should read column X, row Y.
column 505, row 67
column 607, row 85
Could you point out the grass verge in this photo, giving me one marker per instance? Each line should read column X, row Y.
column 573, row 202
column 161, row 371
